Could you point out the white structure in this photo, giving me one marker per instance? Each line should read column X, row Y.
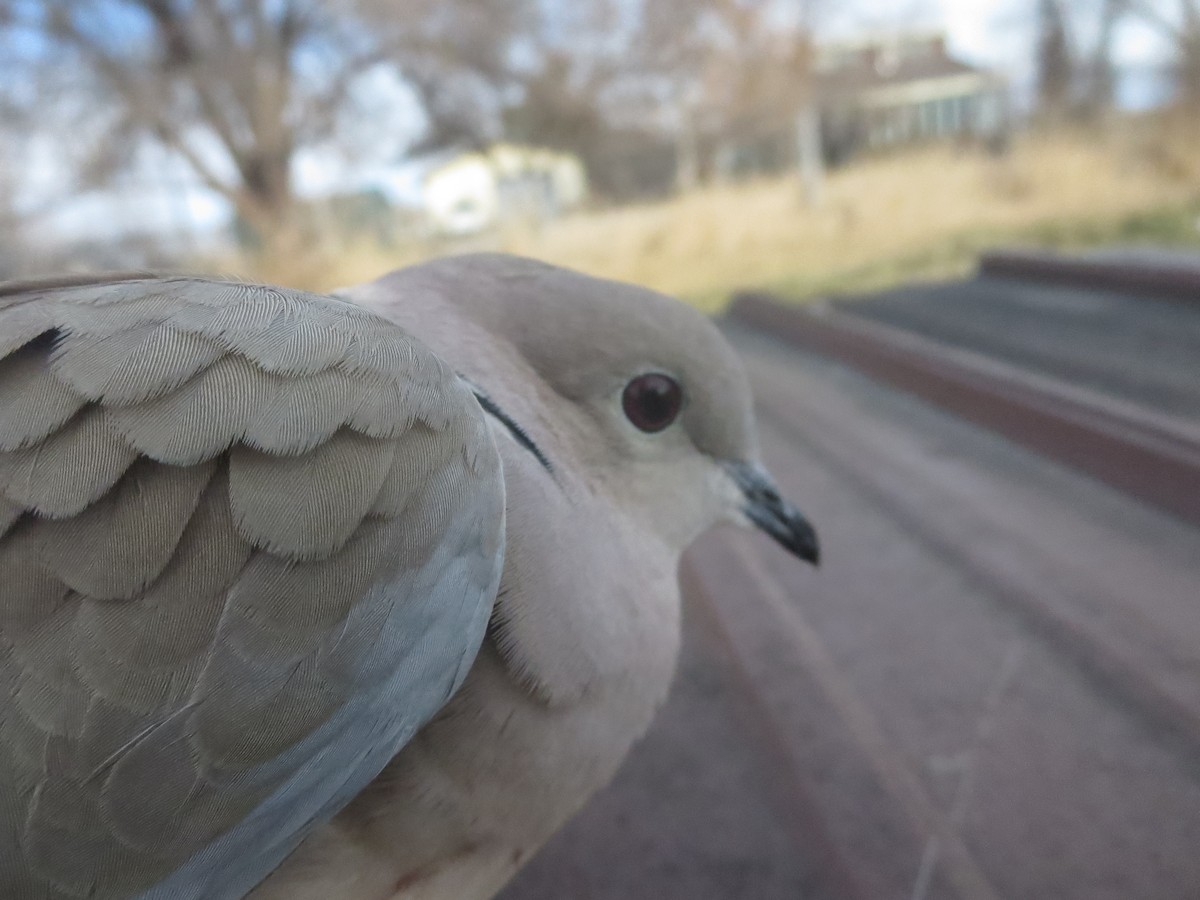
column 902, row 88
column 477, row 191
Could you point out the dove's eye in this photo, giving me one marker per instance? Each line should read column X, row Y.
column 652, row 401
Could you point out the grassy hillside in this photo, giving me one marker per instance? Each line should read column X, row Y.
column 922, row 213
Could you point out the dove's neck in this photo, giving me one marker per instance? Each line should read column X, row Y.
column 580, row 655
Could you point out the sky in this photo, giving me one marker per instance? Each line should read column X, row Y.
column 991, row 33
column 997, row 34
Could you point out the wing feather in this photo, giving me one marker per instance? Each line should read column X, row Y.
column 10, row 511
column 307, row 505
column 293, row 343
column 249, row 542
column 33, row 403
column 69, row 469
column 203, row 418
column 302, row 412
column 23, row 323
column 117, row 546
column 29, row 592
column 131, row 366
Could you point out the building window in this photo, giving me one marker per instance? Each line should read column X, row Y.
column 952, row 113
column 929, row 121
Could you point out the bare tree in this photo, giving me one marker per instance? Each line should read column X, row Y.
column 735, row 72
column 236, row 88
column 1100, row 86
column 694, row 79
column 1055, row 61
column 1182, row 30
column 602, row 85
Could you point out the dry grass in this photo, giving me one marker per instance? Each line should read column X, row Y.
column 923, row 213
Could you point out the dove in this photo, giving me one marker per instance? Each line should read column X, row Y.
column 351, row 597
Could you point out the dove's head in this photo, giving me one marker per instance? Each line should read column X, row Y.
column 637, row 391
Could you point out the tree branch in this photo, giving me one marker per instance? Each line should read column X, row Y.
column 1151, row 15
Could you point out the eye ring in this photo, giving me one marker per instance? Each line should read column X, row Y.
column 652, row 401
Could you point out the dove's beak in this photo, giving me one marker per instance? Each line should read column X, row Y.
column 766, row 509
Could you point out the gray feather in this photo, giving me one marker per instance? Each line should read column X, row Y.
column 244, row 555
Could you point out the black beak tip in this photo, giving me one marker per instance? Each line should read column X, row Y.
column 788, row 528
column 804, row 543
column 766, row 509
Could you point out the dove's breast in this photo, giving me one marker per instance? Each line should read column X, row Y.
column 514, row 755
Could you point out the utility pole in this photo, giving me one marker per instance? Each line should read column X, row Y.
column 810, row 154
column 808, row 150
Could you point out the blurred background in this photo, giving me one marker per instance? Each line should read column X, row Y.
column 991, row 688
column 694, row 145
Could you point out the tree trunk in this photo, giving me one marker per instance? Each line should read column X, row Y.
column 1101, row 80
column 809, row 154
column 267, row 208
column 1189, row 64
column 1055, row 63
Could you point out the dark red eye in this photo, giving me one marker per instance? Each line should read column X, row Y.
column 652, row 401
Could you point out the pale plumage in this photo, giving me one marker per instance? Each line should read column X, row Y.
column 250, row 539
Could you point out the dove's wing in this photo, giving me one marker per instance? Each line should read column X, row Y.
column 249, row 542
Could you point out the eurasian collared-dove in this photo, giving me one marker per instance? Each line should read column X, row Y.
column 251, row 540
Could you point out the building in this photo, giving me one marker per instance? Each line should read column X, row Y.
column 902, row 89
column 866, row 94
column 474, row 192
